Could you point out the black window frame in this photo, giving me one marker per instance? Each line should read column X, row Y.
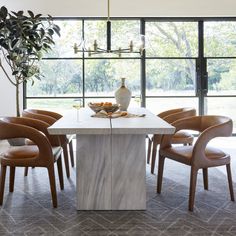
column 200, row 59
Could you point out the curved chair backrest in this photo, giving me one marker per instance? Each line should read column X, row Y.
column 209, row 127
column 48, row 119
column 13, row 128
column 55, row 115
column 175, row 114
column 36, row 124
column 29, row 113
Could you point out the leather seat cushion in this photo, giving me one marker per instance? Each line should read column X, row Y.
column 184, row 153
column 182, row 137
column 28, row 151
column 21, row 152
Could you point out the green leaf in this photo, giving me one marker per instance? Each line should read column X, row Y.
column 14, row 42
column 42, row 31
column 37, row 16
column 15, row 72
column 50, row 32
column 31, row 14
column 20, row 13
column 3, row 12
column 57, row 29
column 1, row 26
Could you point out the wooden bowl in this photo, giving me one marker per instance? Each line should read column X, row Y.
column 97, row 107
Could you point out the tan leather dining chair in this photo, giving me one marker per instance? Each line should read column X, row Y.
column 63, row 139
column 57, row 116
column 200, row 155
column 44, row 153
column 181, row 137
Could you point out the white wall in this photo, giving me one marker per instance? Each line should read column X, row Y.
column 156, row 8
column 127, row 7
column 7, row 97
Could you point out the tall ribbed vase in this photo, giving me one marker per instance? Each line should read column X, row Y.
column 123, row 96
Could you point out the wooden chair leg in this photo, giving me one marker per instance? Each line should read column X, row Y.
column 71, row 154
column 231, row 190
column 2, row 182
column 51, row 176
column 66, row 160
column 26, row 171
column 205, row 178
column 160, row 173
column 154, row 153
column 149, row 150
column 192, row 188
column 60, row 173
column 12, row 179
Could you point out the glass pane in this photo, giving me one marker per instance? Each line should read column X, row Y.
column 172, row 39
column 219, row 39
column 222, row 106
column 103, row 77
column 157, row 105
column 57, row 105
column 221, row 76
column 71, row 32
column 122, row 32
column 95, row 30
column 169, row 77
column 61, row 78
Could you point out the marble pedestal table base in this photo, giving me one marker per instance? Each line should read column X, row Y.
column 111, row 172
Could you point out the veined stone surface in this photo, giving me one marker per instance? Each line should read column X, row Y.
column 93, row 172
column 128, row 172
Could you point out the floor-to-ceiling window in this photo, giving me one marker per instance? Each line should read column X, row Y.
column 171, row 53
column 187, row 62
column 220, row 56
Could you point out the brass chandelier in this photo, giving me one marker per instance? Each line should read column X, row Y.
column 97, row 50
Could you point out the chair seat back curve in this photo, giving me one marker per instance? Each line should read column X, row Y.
column 181, row 137
column 200, row 155
column 44, row 152
column 50, row 118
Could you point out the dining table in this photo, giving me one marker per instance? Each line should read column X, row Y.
column 111, row 156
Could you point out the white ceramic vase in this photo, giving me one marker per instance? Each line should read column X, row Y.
column 123, row 96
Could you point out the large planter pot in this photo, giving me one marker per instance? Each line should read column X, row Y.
column 123, row 96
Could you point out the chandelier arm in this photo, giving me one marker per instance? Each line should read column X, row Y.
column 101, row 50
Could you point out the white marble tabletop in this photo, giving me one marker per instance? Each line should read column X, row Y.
column 149, row 124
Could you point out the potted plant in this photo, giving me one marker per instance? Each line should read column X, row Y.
column 23, row 39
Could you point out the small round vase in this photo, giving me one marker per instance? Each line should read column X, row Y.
column 123, row 96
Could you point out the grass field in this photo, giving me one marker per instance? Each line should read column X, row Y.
column 214, row 106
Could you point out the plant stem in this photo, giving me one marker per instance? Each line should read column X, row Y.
column 17, row 101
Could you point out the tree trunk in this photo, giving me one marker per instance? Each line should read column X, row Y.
column 17, row 100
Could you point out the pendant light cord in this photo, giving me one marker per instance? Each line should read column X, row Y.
column 108, row 10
